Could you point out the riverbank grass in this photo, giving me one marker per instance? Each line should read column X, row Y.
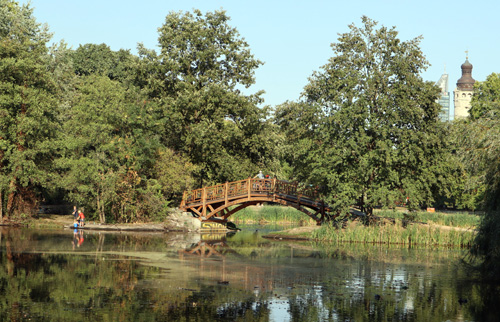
column 452, row 219
column 426, row 229
column 409, row 235
column 271, row 214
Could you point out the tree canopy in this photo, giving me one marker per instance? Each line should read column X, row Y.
column 122, row 135
column 480, row 153
column 486, row 96
column 367, row 127
column 27, row 108
column 196, row 80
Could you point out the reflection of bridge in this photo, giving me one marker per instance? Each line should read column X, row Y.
column 221, row 201
column 208, row 248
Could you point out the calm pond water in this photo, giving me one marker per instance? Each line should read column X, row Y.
column 91, row 276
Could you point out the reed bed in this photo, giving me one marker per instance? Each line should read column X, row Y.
column 454, row 219
column 409, row 236
column 391, row 253
column 424, row 229
column 271, row 214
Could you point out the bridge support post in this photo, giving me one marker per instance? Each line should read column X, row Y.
column 183, row 202
column 273, row 190
column 204, row 200
column 226, row 191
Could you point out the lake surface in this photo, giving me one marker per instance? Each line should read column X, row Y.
column 64, row 275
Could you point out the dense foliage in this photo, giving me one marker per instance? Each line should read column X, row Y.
column 28, row 109
column 195, row 81
column 480, row 152
column 367, row 131
column 120, row 135
column 123, row 135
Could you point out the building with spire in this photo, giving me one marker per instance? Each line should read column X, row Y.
column 444, row 98
column 463, row 93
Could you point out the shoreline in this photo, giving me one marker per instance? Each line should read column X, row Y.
column 124, row 227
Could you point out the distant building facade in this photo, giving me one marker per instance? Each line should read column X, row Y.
column 444, row 98
column 463, row 93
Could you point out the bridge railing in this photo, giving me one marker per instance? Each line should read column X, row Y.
column 248, row 187
column 229, row 189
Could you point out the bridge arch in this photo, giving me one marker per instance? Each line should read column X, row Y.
column 214, row 203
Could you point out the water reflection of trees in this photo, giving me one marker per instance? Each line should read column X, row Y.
column 419, row 290
column 301, row 284
column 71, row 287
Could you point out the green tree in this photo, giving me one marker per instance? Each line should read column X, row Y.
column 480, row 148
column 92, row 59
column 28, row 108
column 486, row 96
column 109, row 149
column 469, row 134
column 196, row 80
column 470, row 188
column 174, row 174
column 368, row 131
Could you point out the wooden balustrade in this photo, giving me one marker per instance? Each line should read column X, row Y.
column 249, row 187
column 215, row 200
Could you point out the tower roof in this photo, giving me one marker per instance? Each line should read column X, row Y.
column 466, row 82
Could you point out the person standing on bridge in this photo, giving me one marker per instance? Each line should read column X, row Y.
column 259, row 175
column 258, row 186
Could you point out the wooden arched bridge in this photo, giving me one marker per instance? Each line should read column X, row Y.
column 217, row 203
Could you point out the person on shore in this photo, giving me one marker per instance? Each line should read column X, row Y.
column 81, row 218
column 75, row 213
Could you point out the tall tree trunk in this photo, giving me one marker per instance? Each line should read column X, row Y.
column 100, row 207
column 13, row 186
column 101, row 214
column 12, row 196
column 98, row 204
column 1, row 186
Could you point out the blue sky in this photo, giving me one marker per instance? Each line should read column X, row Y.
column 292, row 37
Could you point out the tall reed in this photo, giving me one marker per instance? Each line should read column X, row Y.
column 453, row 219
column 411, row 235
column 272, row 214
